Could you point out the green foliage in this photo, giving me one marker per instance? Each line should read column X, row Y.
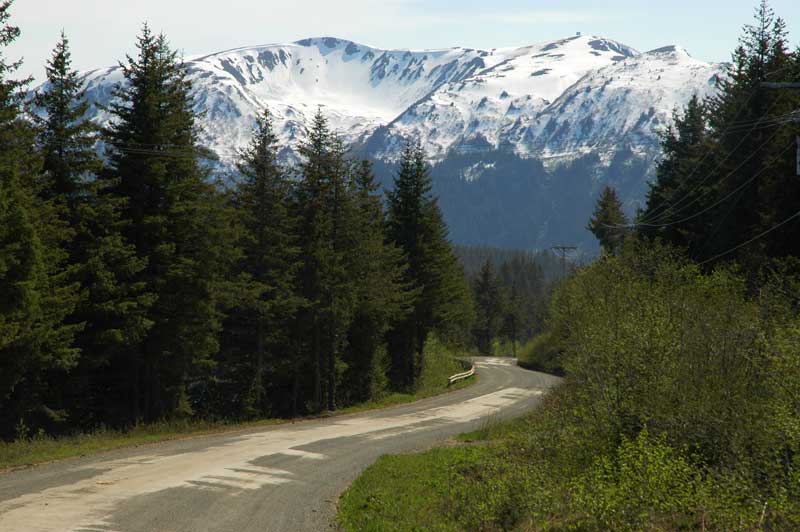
column 727, row 173
column 443, row 300
column 66, row 138
column 172, row 217
column 608, row 223
column 542, row 353
column 679, row 412
column 264, row 302
column 642, row 481
column 440, row 364
column 35, row 294
column 490, row 307
column 523, row 281
column 137, row 289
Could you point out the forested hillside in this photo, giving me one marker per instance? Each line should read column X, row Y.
column 136, row 286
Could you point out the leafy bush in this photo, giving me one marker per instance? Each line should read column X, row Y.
column 440, row 362
column 643, row 481
column 542, row 353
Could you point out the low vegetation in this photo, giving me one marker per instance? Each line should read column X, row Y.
column 679, row 412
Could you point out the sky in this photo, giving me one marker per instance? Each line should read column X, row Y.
column 101, row 32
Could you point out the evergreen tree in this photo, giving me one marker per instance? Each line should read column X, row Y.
column 727, row 175
column 683, row 186
column 173, row 217
column 415, row 225
column 754, row 185
column 319, row 197
column 489, row 308
column 256, row 348
column 514, row 317
column 34, row 297
column 382, row 297
column 66, row 137
column 608, row 223
column 110, row 311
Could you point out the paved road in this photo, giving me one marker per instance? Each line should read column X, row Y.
column 284, row 478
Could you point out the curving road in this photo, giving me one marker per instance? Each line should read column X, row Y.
column 282, row 478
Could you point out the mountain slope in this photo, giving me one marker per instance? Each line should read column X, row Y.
column 588, row 108
column 629, row 101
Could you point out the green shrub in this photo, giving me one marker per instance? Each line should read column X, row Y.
column 542, row 353
column 645, row 481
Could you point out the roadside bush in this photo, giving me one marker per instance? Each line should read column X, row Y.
column 680, row 409
column 643, row 482
column 542, row 353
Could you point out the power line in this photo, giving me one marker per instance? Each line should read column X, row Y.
column 696, row 188
column 726, row 197
column 660, row 212
column 741, row 109
column 757, row 237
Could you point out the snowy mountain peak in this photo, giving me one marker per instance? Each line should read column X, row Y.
column 552, row 97
column 670, row 50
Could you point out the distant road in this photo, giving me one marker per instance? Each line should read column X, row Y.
column 283, row 478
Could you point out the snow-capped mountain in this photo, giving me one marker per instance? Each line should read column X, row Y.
column 629, row 102
column 550, row 98
column 555, row 102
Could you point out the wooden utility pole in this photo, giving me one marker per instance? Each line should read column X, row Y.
column 564, row 251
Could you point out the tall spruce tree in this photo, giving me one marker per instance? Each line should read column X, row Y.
column 683, row 186
column 754, row 186
column 415, row 225
column 173, row 218
column 256, row 348
column 608, row 223
column 382, row 295
column 727, row 176
column 66, row 137
column 35, row 297
column 314, row 194
column 110, row 312
column 489, row 308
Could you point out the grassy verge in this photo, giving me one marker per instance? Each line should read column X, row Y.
column 473, row 484
column 40, row 449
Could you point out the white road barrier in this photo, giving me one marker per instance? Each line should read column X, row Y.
column 461, row 376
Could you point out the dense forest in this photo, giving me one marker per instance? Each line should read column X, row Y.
column 137, row 286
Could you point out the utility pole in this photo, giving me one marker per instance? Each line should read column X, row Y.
column 787, row 86
column 564, row 251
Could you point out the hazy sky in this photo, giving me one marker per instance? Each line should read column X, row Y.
column 102, row 31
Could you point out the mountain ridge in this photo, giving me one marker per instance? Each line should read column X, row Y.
column 584, row 101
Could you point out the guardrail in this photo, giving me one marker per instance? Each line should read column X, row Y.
column 461, row 376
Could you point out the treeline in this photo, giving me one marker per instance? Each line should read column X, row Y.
column 135, row 286
column 510, row 292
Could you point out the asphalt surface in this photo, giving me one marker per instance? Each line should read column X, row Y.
column 283, row 478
